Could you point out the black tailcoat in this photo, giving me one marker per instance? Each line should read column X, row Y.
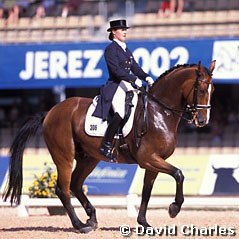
column 120, row 65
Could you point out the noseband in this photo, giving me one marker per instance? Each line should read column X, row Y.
column 195, row 106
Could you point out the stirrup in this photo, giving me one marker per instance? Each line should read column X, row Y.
column 107, row 151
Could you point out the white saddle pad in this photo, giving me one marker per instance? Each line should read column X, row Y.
column 95, row 126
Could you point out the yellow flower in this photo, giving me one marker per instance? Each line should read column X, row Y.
column 44, row 185
column 51, row 184
column 36, row 183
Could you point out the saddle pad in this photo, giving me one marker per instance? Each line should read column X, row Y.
column 95, row 126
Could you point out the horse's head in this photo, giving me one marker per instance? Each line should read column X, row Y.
column 198, row 95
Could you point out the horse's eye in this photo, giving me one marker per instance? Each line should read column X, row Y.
column 201, row 92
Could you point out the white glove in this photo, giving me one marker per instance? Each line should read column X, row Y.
column 149, row 80
column 138, row 82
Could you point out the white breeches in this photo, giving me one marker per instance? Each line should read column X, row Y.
column 118, row 102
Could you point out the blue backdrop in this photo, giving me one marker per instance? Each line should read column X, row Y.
column 108, row 178
column 4, row 161
column 82, row 64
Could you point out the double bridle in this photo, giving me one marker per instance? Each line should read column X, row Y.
column 193, row 109
column 195, row 106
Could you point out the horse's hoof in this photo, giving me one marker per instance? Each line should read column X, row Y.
column 92, row 224
column 173, row 210
column 86, row 229
column 82, row 228
column 144, row 224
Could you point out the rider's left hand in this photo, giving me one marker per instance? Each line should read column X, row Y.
column 149, row 80
column 138, row 83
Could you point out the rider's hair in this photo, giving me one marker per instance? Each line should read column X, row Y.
column 111, row 36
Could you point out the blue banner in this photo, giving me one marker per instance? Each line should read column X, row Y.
column 108, row 178
column 83, row 65
column 4, row 161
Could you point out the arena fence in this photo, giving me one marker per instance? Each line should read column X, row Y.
column 131, row 202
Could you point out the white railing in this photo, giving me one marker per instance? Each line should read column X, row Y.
column 131, row 202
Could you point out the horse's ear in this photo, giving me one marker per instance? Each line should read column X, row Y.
column 212, row 66
column 199, row 66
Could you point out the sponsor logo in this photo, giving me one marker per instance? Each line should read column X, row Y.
column 43, row 65
column 75, row 64
column 226, row 53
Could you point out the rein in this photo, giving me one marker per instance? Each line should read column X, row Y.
column 193, row 109
column 176, row 111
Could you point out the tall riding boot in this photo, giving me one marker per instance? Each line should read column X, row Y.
column 106, row 147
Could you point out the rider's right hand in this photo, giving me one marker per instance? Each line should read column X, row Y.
column 138, row 83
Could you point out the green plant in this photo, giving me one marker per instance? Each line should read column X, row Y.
column 44, row 185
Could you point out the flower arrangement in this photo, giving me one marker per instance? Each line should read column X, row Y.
column 44, row 185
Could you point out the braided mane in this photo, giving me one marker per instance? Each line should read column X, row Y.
column 172, row 69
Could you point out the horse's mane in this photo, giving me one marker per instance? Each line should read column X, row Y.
column 172, row 69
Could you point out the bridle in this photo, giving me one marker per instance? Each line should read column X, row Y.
column 195, row 107
column 192, row 109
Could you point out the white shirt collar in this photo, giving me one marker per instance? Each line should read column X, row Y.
column 122, row 44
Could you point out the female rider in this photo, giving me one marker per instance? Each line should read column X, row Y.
column 123, row 71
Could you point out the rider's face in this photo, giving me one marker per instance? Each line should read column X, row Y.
column 120, row 34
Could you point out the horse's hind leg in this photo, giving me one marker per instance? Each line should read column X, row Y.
column 83, row 168
column 64, row 165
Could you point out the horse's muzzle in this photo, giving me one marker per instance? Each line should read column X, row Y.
column 201, row 123
column 200, row 120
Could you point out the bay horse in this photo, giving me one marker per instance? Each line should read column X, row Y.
column 183, row 87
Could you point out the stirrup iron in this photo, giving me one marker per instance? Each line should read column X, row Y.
column 107, row 150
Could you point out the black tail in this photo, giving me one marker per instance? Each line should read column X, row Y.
column 28, row 129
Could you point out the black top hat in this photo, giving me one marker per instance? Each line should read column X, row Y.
column 117, row 24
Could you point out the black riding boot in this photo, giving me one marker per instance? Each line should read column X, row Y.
column 106, row 147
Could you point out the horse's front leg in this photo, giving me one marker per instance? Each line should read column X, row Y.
column 175, row 207
column 149, row 178
column 158, row 164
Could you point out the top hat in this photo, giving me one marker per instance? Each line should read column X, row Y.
column 117, row 24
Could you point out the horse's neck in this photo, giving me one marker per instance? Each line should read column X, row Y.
column 168, row 93
column 169, row 90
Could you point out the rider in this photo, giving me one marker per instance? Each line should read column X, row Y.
column 123, row 71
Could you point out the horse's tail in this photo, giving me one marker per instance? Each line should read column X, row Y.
column 28, row 129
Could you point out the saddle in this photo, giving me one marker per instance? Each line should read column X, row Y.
column 95, row 126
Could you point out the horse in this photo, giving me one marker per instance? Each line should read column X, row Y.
column 187, row 87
